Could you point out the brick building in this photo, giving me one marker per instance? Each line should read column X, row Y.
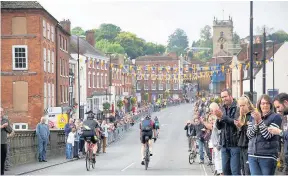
column 28, row 72
column 156, row 81
column 62, row 63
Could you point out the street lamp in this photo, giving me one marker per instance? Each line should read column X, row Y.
column 273, row 43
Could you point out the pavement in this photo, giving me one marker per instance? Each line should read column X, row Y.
column 170, row 153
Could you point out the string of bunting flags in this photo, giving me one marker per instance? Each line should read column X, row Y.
column 194, row 72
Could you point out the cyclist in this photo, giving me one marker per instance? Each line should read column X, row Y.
column 147, row 128
column 89, row 131
column 157, row 125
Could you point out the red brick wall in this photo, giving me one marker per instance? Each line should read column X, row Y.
column 35, row 64
column 63, row 79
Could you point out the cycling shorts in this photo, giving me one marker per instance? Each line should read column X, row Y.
column 144, row 134
column 91, row 135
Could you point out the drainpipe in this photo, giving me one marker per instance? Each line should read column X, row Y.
column 57, row 60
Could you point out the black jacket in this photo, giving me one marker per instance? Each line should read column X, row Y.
column 198, row 131
column 192, row 132
column 229, row 131
column 243, row 139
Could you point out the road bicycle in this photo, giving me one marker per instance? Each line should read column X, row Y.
column 89, row 155
column 147, row 152
column 194, row 151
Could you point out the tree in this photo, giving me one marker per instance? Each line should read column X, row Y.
column 108, row 32
column 78, row 31
column 279, row 36
column 236, row 38
column 152, row 48
column 178, row 42
column 205, row 33
column 105, row 46
column 132, row 45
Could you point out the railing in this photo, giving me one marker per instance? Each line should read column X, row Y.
column 24, row 144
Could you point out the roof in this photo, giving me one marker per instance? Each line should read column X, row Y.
column 63, row 30
column 220, row 60
column 85, row 48
column 24, row 5
column 244, row 55
column 146, row 58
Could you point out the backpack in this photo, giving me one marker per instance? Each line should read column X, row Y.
column 146, row 125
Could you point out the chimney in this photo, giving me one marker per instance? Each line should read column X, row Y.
column 90, row 37
column 66, row 25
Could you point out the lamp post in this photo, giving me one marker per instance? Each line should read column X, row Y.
column 251, row 50
column 78, row 76
column 273, row 74
column 264, row 62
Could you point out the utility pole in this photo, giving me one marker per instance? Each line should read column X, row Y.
column 78, row 77
column 251, row 51
column 264, row 62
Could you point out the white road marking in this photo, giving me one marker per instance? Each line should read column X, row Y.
column 163, row 125
column 204, row 169
column 127, row 167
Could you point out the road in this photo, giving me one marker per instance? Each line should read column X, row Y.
column 123, row 158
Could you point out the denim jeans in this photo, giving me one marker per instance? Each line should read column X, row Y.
column 231, row 160
column 69, row 149
column 201, row 149
column 42, row 147
column 76, row 149
column 244, row 161
column 262, row 166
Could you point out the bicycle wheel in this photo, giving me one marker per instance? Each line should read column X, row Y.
column 88, row 160
column 147, row 157
column 191, row 158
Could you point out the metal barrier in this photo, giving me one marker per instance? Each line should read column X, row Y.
column 119, row 132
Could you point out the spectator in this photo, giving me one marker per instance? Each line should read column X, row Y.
column 281, row 104
column 68, row 127
column 246, row 107
column 42, row 132
column 215, row 138
column 189, row 127
column 225, row 122
column 263, row 145
column 81, row 138
column 199, row 129
column 77, row 139
column 5, row 128
column 105, row 128
column 207, row 136
column 70, row 143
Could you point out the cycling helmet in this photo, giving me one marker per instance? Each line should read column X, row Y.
column 148, row 117
column 156, row 118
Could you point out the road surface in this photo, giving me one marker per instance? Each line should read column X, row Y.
column 170, row 152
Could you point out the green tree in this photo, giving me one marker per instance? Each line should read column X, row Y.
column 77, row 31
column 132, row 45
column 236, row 38
column 178, row 42
column 152, row 48
column 107, row 31
column 279, row 36
column 106, row 46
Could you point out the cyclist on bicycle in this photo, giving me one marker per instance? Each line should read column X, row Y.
column 147, row 128
column 157, row 125
column 89, row 131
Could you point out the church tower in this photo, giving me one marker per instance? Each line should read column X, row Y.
column 222, row 35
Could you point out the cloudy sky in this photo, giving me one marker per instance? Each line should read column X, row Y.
column 155, row 21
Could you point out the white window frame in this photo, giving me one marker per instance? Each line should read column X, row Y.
column 168, row 83
column 13, row 56
column 52, row 33
column 153, row 86
column 45, row 95
column 52, row 61
column 60, row 67
column 105, row 80
column 160, row 87
column 20, row 125
column 44, row 59
column 98, row 80
column 146, row 86
column 102, row 80
column 63, row 94
column 48, row 31
column 175, row 85
column 48, row 60
column 67, row 94
column 97, row 65
column 89, row 79
column 44, row 28
column 93, row 80
column 52, row 95
column 138, row 85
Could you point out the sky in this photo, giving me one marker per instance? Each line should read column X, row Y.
column 154, row 21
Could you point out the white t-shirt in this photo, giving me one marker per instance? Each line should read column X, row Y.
column 71, row 138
